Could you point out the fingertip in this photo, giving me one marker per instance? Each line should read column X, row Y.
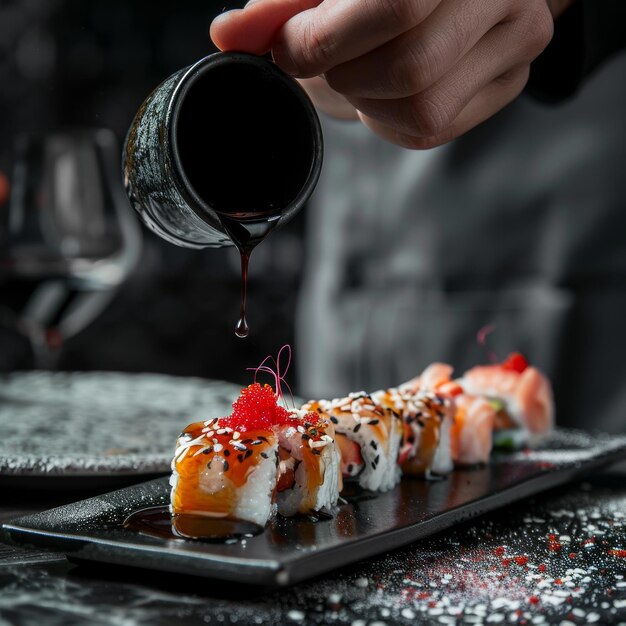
column 219, row 29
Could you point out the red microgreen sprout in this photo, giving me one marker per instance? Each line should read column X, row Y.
column 278, row 375
column 481, row 339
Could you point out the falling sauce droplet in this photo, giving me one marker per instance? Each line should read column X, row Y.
column 241, row 330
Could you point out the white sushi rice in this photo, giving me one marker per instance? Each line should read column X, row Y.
column 254, row 501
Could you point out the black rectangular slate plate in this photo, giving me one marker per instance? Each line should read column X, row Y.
column 292, row 550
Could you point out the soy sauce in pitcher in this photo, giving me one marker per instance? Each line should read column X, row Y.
column 221, row 153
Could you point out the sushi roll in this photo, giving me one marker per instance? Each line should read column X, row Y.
column 468, row 423
column 520, row 394
column 368, row 437
column 220, row 472
column 259, row 460
column 309, row 477
column 426, row 419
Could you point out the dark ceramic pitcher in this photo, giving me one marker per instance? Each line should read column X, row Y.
column 230, row 138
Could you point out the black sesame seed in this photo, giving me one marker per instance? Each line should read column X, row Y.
column 411, row 439
column 373, row 444
column 421, row 423
column 356, row 428
column 374, row 466
column 248, row 454
column 350, row 467
column 264, row 455
column 377, row 459
column 334, row 420
column 314, row 451
column 373, row 422
column 240, row 458
column 209, row 464
column 207, row 450
column 226, row 466
column 226, row 452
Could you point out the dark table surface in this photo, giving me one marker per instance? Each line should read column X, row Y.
column 557, row 558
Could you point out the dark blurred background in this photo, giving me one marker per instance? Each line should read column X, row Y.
column 69, row 63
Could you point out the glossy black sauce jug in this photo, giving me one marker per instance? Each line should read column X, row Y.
column 229, row 140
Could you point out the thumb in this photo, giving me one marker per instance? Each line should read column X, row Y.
column 253, row 28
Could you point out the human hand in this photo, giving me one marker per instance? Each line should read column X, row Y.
column 418, row 72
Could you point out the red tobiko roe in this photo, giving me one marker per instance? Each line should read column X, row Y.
column 516, row 362
column 256, row 408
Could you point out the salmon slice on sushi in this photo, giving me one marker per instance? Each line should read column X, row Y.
column 521, row 395
column 471, row 436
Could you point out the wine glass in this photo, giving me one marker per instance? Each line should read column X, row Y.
column 68, row 240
